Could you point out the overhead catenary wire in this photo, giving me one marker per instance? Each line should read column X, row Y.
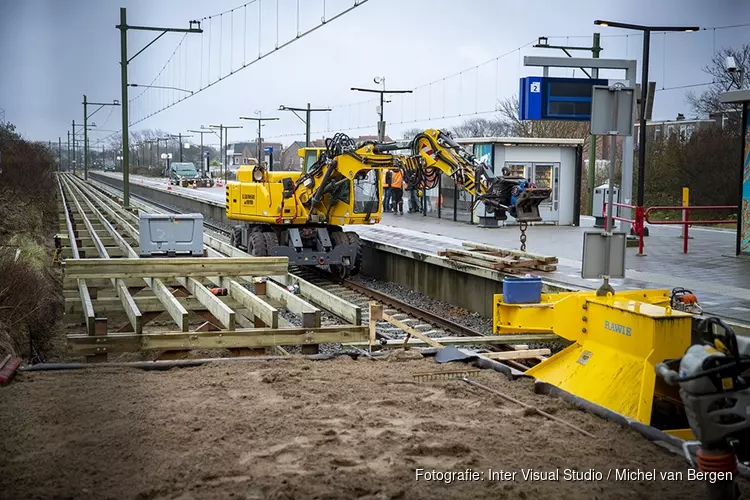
column 357, row 3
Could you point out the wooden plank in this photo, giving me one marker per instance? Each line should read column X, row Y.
column 543, row 258
column 220, row 310
column 325, row 299
column 292, row 302
column 268, row 314
column 88, row 308
column 81, row 345
column 178, row 313
column 411, row 331
column 113, row 251
column 522, row 354
column 171, row 267
column 474, row 261
column 131, row 309
column 376, row 313
column 466, row 341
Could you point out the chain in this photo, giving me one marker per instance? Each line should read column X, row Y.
column 523, row 226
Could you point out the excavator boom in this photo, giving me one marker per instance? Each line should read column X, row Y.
column 436, row 149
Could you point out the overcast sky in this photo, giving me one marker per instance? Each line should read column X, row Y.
column 54, row 51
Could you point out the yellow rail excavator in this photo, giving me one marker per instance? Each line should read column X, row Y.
column 300, row 214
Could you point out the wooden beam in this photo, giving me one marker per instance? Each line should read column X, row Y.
column 507, row 251
column 178, row 313
column 411, row 331
column 465, row 341
column 268, row 314
column 80, row 345
column 292, row 302
column 131, row 309
column 376, row 313
column 88, row 308
column 522, row 354
column 145, row 303
column 173, row 267
column 220, row 311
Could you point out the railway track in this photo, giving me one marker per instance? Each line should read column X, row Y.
column 426, row 322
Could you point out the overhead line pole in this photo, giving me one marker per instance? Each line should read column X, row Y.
column 308, row 111
column 260, row 121
column 180, row 136
column 203, row 162
column 86, row 117
column 124, row 61
column 382, row 92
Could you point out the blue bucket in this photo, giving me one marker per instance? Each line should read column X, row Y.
column 522, row 290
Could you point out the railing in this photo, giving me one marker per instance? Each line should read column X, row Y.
column 686, row 222
column 636, row 222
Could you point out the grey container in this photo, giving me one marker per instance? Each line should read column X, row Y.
column 170, row 234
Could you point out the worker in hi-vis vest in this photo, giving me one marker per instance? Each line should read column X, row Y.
column 397, row 191
column 387, row 191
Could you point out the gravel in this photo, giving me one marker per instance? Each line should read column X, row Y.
column 448, row 311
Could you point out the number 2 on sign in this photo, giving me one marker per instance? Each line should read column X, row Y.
column 535, row 86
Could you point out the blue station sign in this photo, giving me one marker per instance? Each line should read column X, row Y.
column 548, row 98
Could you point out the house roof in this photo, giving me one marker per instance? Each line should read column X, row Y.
column 521, row 141
column 363, row 138
column 239, row 147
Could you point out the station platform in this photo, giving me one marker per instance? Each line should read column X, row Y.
column 710, row 269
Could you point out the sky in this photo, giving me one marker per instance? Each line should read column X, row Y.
column 458, row 57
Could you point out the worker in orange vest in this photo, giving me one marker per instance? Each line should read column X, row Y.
column 397, row 191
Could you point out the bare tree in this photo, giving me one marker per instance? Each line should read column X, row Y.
column 709, row 102
column 411, row 133
column 509, row 110
column 483, row 127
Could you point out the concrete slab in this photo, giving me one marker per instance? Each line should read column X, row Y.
column 710, row 269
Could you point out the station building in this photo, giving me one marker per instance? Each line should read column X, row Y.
column 553, row 163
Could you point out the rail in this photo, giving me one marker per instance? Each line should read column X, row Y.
column 686, row 222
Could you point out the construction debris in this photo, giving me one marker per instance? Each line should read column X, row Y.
column 500, row 259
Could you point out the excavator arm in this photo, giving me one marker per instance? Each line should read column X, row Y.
column 436, row 149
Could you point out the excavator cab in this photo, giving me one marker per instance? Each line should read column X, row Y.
column 308, row 157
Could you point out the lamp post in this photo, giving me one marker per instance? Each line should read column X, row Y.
column 382, row 92
column 195, row 27
column 308, row 110
column 646, row 30
column 86, row 116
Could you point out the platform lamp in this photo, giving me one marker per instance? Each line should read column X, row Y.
column 646, row 30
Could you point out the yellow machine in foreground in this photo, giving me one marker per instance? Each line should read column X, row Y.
column 299, row 214
column 617, row 342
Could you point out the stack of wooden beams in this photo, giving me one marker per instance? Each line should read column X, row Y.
column 500, row 259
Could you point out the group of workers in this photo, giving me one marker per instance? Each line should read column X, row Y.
column 394, row 186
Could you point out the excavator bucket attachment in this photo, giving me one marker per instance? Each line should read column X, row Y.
column 527, row 204
column 617, row 341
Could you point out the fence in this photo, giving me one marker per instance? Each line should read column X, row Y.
column 686, row 222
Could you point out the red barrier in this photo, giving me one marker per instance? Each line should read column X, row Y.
column 636, row 222
column 687, row 222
